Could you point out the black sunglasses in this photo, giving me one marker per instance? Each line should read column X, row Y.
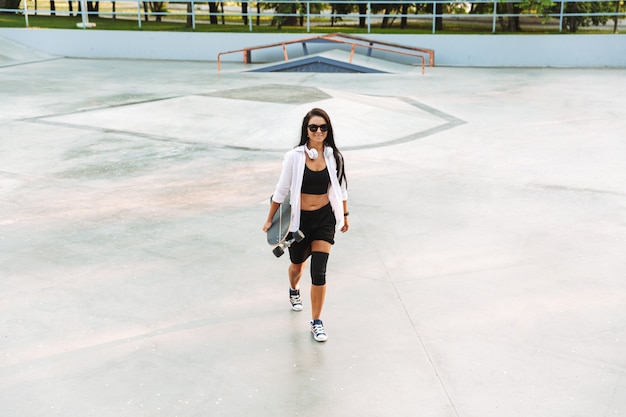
column 323, row 128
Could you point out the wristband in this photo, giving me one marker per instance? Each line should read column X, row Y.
column 346, row 214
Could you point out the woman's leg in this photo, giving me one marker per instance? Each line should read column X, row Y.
column 318, row 292
column 295, row 273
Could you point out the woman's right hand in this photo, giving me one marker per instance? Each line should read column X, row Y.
column 270, row 216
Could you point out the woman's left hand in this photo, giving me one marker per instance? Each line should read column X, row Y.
column 346, row 225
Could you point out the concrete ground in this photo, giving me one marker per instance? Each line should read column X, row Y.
column 482, row 276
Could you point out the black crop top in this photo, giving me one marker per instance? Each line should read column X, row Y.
column 315, row 182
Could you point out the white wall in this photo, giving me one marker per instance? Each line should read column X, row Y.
column 450, row 50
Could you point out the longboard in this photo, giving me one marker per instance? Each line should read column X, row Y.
column 278, row 232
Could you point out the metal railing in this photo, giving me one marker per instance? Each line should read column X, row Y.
column 353, row 41
column 193, row 12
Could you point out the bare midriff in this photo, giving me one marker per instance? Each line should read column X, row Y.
column 311, row 202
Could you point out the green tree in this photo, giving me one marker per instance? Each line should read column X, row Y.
column 388, row 10
column 404, row 11
column 340, row 8
column 282, row 9
column 294, row 12
column 438, row 18
column 586, row 11
column 362, row 12
column 213, row 9
column 189, row 19
column 244, row 12
column 9, row 4
column 618, row 4
column 511, row 23
column 157, row 7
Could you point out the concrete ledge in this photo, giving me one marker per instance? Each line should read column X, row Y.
column 591, row 51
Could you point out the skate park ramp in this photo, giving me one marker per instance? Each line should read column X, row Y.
column 12, row 53
column 482, row 275
column 336, row 61
column 337, row 53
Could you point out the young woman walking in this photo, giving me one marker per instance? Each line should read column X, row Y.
column 313, row 174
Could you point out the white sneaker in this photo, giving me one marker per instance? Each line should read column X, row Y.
column 317, row 328
column 295, row 300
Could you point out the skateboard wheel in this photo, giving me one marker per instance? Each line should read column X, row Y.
column 278, row 251
column 298, row 236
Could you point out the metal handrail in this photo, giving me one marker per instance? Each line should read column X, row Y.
column 333, row 38
column 308, row 16
column 429, row 52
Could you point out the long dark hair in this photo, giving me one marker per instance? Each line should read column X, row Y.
column 329, row 141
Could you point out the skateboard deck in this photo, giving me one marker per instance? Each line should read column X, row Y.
column 277, row 233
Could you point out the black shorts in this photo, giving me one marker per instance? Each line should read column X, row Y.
column 316, row 225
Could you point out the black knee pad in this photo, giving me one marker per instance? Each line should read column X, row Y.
column 318, row 268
